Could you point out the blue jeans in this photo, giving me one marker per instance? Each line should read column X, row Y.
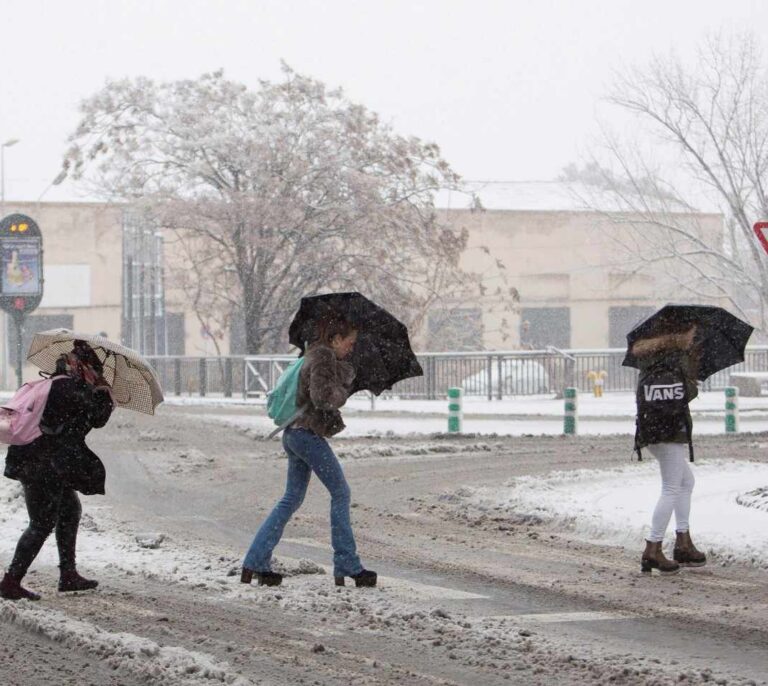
column 307, row 453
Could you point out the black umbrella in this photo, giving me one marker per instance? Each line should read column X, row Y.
column 382, row 355
column 720, row 336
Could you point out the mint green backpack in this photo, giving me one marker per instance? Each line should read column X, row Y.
column 281, row 400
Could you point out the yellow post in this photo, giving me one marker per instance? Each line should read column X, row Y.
column 597, row 379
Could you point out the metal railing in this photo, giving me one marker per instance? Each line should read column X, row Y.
column 481, row 374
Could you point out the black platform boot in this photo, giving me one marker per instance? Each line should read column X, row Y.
column 269, row 578
column 264, row 578
column 70, row 580
column 365, row 578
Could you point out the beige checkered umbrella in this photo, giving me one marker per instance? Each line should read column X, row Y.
column 134, row 383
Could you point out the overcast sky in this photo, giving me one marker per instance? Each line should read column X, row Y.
column 509, row 89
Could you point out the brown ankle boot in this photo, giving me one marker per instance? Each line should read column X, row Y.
column 685, row 552
column 11, row 589
column 653, row 558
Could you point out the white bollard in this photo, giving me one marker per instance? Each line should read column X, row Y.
column 571, row 424
column 731, row 410
column 455, row 410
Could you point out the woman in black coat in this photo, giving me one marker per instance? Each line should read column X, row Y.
column 56, row 465
column 669, row 362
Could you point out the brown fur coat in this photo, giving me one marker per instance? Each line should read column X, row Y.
column 324, row 383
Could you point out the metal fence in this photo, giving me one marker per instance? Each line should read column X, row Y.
column 481, row 374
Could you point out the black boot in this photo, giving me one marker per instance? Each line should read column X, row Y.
column 70, row 580
column 365, row 578
column 264, row 578
column 269, row 578
column 11, row 589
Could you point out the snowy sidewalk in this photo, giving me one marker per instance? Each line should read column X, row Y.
column 363, row 424
column 610, row 405
column 614, row 506
column 534, row 415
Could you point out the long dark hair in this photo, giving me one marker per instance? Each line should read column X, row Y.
column 82, row 352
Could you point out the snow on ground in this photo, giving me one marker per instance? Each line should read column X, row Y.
column 103, row 544
column 614, row 506
column 407, row 610
column 361, row 424
column 106, row 543
column 143, row 657
column 530, row 415
column 610, row 405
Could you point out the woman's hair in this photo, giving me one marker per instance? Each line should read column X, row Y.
column 87, row 355
column 331, row 326
column 71, row 364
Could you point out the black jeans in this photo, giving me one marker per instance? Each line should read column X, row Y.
column 50, row 506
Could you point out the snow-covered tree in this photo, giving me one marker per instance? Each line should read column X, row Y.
column 274, row 193
column 710, row 124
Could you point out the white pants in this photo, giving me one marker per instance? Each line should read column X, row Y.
column 676, row 486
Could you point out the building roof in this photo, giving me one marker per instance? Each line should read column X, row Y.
column 541, row 196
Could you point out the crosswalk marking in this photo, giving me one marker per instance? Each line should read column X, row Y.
column 561, row 617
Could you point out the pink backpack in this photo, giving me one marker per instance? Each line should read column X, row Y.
column 20, row 416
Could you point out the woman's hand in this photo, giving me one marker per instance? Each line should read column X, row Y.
column 345, row 372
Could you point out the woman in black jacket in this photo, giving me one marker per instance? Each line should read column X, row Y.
column 668, row 437
column 57, row 464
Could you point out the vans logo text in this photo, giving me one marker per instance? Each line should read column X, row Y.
column 672, row 391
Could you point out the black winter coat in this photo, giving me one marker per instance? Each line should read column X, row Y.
column 60, row 455
column 667, row 428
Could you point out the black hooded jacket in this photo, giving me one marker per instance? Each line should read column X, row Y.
column 60, row 455
column 655, row 423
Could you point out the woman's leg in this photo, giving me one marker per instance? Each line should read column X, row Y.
column 66, row 539
column 685, row 551
column 259, row 556
column 672, row 462
column 683, row 504
column 42, row 506
column 316, row 451
column 66, row 528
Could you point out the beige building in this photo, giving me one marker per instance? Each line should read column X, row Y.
column 555, row 274
column 102, row 274
column 552, row 275
column 82, row 272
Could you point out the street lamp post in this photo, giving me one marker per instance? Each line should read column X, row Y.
column 3, row 146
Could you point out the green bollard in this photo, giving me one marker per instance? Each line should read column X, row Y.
column 731, row 410
column 571, row 424
column 455, row 411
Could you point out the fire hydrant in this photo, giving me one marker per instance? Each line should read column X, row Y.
column 597, row 379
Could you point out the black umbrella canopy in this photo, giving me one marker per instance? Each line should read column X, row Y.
column 382, row 355
column 720, row 336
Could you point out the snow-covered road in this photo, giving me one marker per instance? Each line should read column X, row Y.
column 477, row 587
